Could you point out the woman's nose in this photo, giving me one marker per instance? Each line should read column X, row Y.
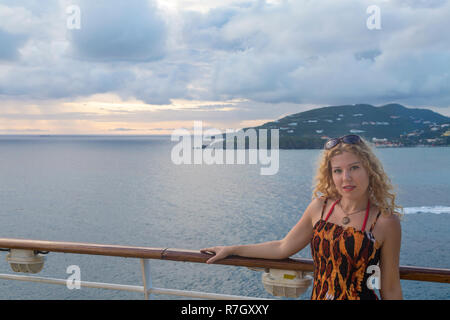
column 347, row 175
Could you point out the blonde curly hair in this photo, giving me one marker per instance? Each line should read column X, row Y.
column 381, row 191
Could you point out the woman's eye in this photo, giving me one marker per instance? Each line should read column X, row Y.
column 339, row 170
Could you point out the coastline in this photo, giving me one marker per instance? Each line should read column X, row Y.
column 163, row 136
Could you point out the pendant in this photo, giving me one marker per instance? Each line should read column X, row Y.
column 345, row 220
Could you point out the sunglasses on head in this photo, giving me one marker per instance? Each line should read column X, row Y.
column 349, row 139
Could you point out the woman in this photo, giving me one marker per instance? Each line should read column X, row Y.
column 353, row 227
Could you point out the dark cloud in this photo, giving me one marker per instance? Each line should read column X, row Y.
column 369, row 54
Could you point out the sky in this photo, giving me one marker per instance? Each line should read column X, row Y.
column 150, row 67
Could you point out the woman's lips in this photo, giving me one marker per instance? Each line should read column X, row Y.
column 348, row 189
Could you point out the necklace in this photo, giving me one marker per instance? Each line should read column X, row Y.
column 346, row 219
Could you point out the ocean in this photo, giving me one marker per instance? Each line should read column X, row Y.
column 126, row 190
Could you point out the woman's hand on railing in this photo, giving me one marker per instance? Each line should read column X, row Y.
column 219, row 252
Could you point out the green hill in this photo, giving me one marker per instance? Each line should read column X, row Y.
column 388, row 125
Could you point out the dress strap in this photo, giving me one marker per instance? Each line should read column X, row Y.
column 331, row 209
column 367, row 216
column 324, row 206
column 376, row 219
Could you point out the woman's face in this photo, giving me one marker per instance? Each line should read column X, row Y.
column 349, row 176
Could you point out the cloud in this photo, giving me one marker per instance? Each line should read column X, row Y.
column 61, row 80
column 114, row 30
column 22, row 130
column 421, row 3
column 276, row 56
column 9, row 45
column 206, row 31
column 122, row 129
column 306, row 52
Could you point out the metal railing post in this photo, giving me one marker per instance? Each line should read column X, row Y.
column 146, row 278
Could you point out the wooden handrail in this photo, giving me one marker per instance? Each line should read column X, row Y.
column 406, row 272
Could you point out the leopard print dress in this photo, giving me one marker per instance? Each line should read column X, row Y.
column 341, row 257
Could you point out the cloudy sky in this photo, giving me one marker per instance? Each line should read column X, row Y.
column 148, row 67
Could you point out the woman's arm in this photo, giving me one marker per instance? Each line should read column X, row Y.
column 265, row 250
column 389, row 261
column 297, row 238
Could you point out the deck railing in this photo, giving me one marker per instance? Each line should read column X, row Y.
column 172, row 254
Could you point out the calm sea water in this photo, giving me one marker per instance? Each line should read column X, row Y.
column 127, row 191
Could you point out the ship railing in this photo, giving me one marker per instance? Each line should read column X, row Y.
column 145, row 254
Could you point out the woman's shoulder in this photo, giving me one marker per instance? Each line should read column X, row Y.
column 388, row 226
column 389, row 219
column 390, row 222
column 320, row 202
column 323, row 199
column 318, row 205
